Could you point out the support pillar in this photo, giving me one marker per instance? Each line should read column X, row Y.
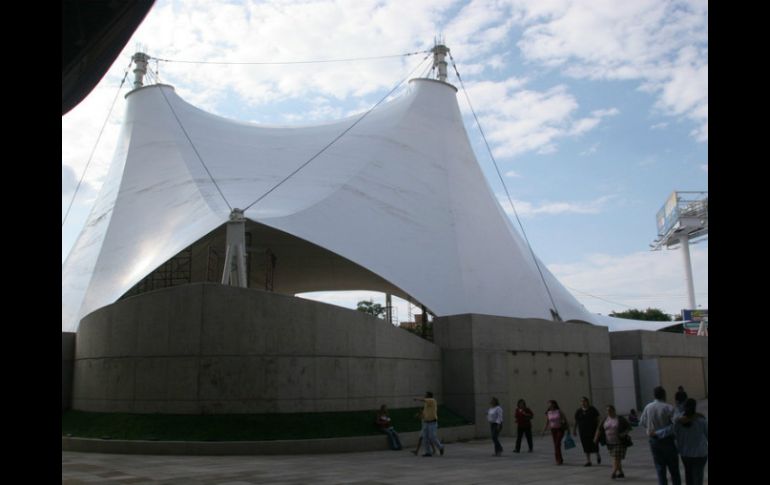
column 685, row 247
column 439, row 60
column 234, row 273
column 388, row 308
column 140, row 59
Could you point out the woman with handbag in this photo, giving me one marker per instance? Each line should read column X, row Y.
column 586, row 421
column 615, row 429
column 557, row 423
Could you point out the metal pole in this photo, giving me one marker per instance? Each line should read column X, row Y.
column 685, row 242
column 439, row 61
column 424, row 319
column 140, row 59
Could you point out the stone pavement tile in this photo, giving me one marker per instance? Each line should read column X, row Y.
column 464, row 463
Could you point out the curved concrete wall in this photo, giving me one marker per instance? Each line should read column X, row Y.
column 207, row 348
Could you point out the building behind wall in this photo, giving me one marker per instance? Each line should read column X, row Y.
column 665, row 359
column 511, row 358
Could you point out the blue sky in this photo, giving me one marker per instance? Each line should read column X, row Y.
column 596, row 111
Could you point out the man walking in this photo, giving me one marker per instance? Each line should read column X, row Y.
column 656, row 415
column 430, row 424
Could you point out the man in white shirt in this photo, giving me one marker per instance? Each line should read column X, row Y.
column 659, row 414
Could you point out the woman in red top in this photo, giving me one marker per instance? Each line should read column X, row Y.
column 557, row 422
column 524, row 417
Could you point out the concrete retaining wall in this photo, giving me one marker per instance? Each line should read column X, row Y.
column 210, row 349
column 67, row 368
column 485, row 356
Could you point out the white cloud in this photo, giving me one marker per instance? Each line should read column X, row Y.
column 528, row 209
column 81, row 127
column 601, row 113
column 520, row 120
column 638, row 280
column 591, row 150
column 288, row 31
column 512, row 174
column 659, row 126
column 705, row 167
column 664, row 45
column 68, row 181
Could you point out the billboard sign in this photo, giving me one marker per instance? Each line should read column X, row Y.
column 668, row 214
column 693, row 319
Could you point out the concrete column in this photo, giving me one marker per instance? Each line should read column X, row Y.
column 685, row 243
column 140, row 59
column 235, row 255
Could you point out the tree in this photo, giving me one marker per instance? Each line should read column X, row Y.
column 374, row 309
column 650, row 314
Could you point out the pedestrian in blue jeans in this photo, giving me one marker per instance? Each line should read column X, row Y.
column 495, row 418
column 656, row 415
column 383, row 422
column 691, row 432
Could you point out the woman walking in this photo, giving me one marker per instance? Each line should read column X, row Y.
column 615, row 429
column 495, row 418
column 587, row 422
column 524, row 417
column 557, row 423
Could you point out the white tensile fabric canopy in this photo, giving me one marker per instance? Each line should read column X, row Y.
column 401, row 195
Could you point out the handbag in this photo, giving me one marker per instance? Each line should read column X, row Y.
column 568, row 442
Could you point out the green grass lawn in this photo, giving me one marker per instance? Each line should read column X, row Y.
column 241, row 427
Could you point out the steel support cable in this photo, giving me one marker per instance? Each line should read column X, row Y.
column 428, row 69
column 505, row 187
column 361, row 118
column 195, row 149
column 82, row 177
column 292, row 62
column 599, row 298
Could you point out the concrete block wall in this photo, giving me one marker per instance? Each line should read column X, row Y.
column 477, row 351
column 207, row 348
column 642, row 344
column 67, row 368
column 664, row 358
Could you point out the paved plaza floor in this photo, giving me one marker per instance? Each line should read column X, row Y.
column 463, row 463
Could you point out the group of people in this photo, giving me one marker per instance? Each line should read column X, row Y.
column 428, row 435
column 673, row 432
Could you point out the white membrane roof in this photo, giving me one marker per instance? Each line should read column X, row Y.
column 401, row 194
